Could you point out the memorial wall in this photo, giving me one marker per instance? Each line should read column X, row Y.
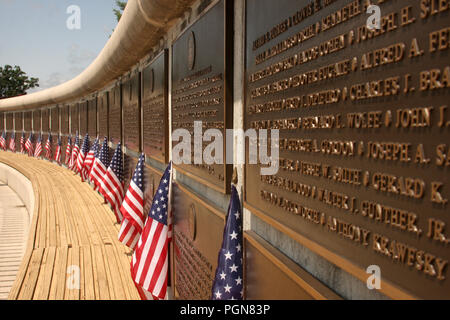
column 364, row 152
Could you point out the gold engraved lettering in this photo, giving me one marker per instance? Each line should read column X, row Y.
column 443, row 157
column 435, row 79
column 414, row 118
column 433, row 7
column 409, row 187
column 383, row 56
column 439, row 40
column 436, row 195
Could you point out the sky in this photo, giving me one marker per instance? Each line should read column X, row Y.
column 34, row 35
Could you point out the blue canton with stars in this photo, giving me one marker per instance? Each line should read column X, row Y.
column 138, row 176
column 103, row 157
column 95, row 147
column 228, row 282
column 59, row 141
column 77, row 140
column 116, row 164
column 159, row 209
column 85, row 147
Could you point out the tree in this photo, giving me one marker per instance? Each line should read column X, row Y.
column 118, row 12
column 15, row 82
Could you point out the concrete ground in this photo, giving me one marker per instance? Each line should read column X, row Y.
column 13, row 235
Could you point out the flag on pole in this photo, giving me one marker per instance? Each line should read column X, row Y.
column 29, row 145
column 81, row 157
column 48, row 147
column 3, row 140
column 22, row 142
column 75, row 150
column 38, row 151
column 100, row 165
column 111, row 186
column 90, row 157
column 150, row 263
column 133, row 208
column 12, row 142
column 228, row 283
column 68, row 150
column 58, row 150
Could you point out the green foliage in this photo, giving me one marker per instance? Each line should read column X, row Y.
column 15, row 82
column 118, row 12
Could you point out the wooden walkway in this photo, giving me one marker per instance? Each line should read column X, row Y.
column 72, row 251
column 14, row 224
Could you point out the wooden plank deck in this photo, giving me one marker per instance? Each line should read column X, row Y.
column 71, row 229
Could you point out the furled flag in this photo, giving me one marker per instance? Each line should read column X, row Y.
column 111, row 186
column 29, row 145
column 90, row 157
column 149, row 266
column 68, row 150
column 12, row 142
column 48, row 147
column 75, row 150
column 3, row 140
column 81, row 157
column 227, row 283
column 38, row 150
column 58, row 150
column 22, row 142
column 133, row 208
column 100, row 165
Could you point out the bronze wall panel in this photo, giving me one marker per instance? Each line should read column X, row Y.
column 2, row 121
column 27, row 120
column 202, row 90
column 74, row 119
column 54, row 112
column 18, row 121
column 64, row 141
column 83, row 107
column 363, row 135
column 129, row 165
column 37, row 120
column 152, row 178
column 10, row 121
column 287, row 280
column 92, row 118
column 115, row 115
column 102, row 106
column 45, row 115
column 65, row 119
column 131, row 112
column 198, row 231
column 155, row 108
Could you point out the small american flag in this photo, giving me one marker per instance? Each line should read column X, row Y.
column 111, row 186
column 48, row 147
column 133, row 208
column 81, row 157
column 228, row 280
column 29, row 145
column 12, row 142
column 75, row 150
column 100, row 165
column 58, row 150
column 3, row 140
column 89, row 161
column 22, row 142
column 149, row 266
column 68, row 150
column 38, row 151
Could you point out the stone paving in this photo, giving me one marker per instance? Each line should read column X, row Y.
column 13, row 235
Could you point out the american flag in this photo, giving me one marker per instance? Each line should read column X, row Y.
column 149, row 266
column 227, row 283
column 3, row 140
column 100, row 165
column 22, row 142
column 89, row 161
column 58, row 150
column 111, row 186
column 48, row 147
column 29, row 145
column 12, row 142
column 38, row 151
column 133, row 208
column 68, row 150
column 81, row 157
column 75, row 150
